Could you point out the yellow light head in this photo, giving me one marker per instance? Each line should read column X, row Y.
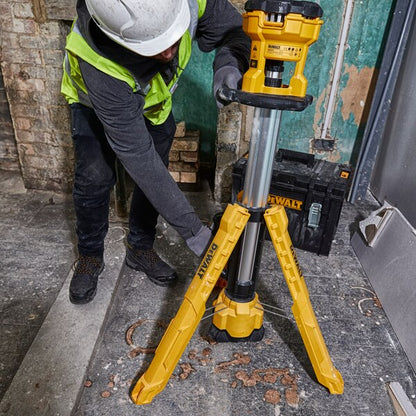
column 280, row 31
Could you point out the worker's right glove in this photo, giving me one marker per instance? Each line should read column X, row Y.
column 228, row 76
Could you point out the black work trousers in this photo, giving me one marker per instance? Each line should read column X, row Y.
column 95, row 177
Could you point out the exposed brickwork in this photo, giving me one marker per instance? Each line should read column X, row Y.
column 8, row 150
column 180, row 129
column 184, row 155
column 239, row 4
column 233, row 135
column 32, row 40
column 32, row 53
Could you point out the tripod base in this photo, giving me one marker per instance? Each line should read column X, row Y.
column 183, row 325
column 219, row 335
column 237, row 321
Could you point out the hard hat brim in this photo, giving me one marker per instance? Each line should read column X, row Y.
column 162, row 42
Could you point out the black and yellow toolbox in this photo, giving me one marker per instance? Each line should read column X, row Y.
column 312, row 191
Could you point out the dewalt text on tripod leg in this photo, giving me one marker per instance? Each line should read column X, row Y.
column 326, row 373
column 183, row 325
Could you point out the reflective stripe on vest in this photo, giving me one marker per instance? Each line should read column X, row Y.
column 158, row 95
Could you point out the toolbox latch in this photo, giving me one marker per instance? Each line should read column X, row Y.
column 314, row 215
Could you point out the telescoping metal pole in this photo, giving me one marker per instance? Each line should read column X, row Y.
column 264, row 137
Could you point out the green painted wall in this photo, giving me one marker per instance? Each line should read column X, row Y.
column 194, row 103
column 365, row 38
column 297, row 129
column 193, row 100
column 362, row 58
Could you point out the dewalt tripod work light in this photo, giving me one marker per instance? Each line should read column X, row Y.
column 281, row 33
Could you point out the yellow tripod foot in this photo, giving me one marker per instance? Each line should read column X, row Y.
column 183, row 325
column 326, row 373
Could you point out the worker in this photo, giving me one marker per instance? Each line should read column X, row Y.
column 122, row 63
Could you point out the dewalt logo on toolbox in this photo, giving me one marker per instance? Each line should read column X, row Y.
column 286, row 202
column 279, row 200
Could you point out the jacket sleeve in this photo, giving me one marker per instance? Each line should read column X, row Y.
column 121, row 113
column 221, row 28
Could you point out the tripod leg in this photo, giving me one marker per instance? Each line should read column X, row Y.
column 183, row 325
column 326, row 373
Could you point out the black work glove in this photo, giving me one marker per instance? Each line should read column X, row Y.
column 200, row 241
column 228, row 76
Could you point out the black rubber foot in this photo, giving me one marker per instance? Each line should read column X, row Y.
column 221, row 335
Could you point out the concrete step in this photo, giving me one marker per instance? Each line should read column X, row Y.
column 50, row 378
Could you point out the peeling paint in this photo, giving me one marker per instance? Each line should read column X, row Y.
column 330, row 156
column 334, row 157
column 355, row 93
column 318, row 113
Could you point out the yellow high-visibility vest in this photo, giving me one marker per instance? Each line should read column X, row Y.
column 157, row 94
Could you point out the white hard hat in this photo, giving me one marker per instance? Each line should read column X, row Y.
column 147, row 27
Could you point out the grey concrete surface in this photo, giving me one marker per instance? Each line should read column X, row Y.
column 37, row 251
column 210, row 379
column 53, row 369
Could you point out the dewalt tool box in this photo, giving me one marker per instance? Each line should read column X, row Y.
column 311, row 190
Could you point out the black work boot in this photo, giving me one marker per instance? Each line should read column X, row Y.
column 83, row 286
column 152, row 265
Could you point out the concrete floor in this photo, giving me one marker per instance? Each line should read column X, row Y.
column 38, row 252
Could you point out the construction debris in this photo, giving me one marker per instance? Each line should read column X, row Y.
column 248, row 381
column 239, row 359
column 292, row 396
column 187, row 369
column 373, row 298
column 209, row 340
column 204, row 360
column 272, row 396
column 129, row 338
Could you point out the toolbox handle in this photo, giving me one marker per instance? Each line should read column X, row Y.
column 291, row 155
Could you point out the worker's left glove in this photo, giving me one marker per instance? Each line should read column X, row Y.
column 228, row 76
column 200, row 241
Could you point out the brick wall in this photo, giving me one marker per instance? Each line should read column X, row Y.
column 233, row 137
column 8, row 151
column 32, row 39
column 32, row 46
column 184, row 156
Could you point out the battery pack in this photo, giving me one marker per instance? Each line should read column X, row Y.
column 312, row 192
